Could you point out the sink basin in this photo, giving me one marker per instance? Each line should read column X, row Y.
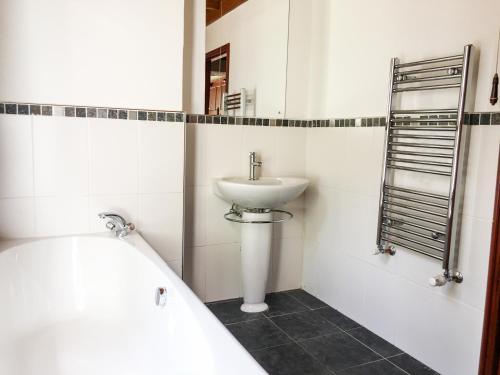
column 266, row 192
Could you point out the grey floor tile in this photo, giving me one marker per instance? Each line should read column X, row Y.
column 376, row 343
column 304, row 325
column 411, row 365
column 374, row 368
column 258, row 334
column 306, row 299
column 339, row 351
column 337, row 318
column 281, row 303
column 289, row 359
column 230, row 312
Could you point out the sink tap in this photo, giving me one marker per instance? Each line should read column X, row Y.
column 253, row 165
column 117, row 224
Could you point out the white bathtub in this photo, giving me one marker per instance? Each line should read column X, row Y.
column 85, row 305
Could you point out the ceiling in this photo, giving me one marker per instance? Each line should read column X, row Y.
column 217, row 8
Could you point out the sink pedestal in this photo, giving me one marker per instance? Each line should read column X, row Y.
column 256, row 242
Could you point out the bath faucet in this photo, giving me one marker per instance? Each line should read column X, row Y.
column 117, row 224
column 253, row 164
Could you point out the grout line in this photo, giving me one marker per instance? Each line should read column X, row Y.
column 296, row 299
column 243, row 321
column 406, row 372
column 269, row 347
column 297, row 343
column 300, row 341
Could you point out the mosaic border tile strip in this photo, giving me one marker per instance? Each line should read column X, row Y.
column 89, row 112
column 475, row 118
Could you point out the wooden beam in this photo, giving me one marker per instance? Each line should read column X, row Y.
column 213, row 4
column 218, row 8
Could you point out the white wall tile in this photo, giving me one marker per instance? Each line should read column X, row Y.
column 219, row 230
column 17, row 217
column 223, row 152
column 196, row 171
column 195, row 269
column 16, row 156
column 286, row 264
column 176, row 266
column 223, row 270
column 124, row 205
column 113, row 156
column 481, row 172
column 55, row 216
column 195, row 231
column 472, row 262
column 161, row 223
column 161, row 151
column 61, row 155
column 290, row 152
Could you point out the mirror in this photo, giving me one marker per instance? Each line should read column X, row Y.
column 246, row 57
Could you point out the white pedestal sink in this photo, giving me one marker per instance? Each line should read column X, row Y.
column 256, row 200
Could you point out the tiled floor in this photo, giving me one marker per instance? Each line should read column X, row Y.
column 301, row 335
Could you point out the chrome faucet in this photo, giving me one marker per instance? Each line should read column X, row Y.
column 253, row 164
column 117, row 224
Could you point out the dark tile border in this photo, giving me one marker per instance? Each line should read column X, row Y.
column 90, row 112
column 482, row 118
column 473, row 118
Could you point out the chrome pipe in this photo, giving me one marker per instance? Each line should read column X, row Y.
column 429, row 127
column 415, row 249
column 416, row 217
column 386, row 148
column 418, row 209
column 421, row 162
column 429, row 171
column 399, row 120
column 430, row 61
column 412, row 224
column 426, row 79
column 423, row 88
column 416, row 242
column 416, row 234
column 417, row 136
column 419, row 201
column 430, row 70
column 426, row 154
column 415, row 111
column 416, row 192
column 456, row 152
column 421, row 145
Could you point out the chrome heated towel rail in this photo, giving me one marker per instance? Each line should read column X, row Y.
column 422, row 176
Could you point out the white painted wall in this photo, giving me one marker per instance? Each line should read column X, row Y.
column 58, row 173
column 103, row 53
column 194, row 56
column 212, row 245
column 258, row 32
column 352, row 42
column 390, row 295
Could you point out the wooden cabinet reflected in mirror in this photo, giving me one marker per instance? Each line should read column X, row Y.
column 216, row 78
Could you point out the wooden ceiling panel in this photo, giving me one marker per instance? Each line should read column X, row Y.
column 218, row 8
